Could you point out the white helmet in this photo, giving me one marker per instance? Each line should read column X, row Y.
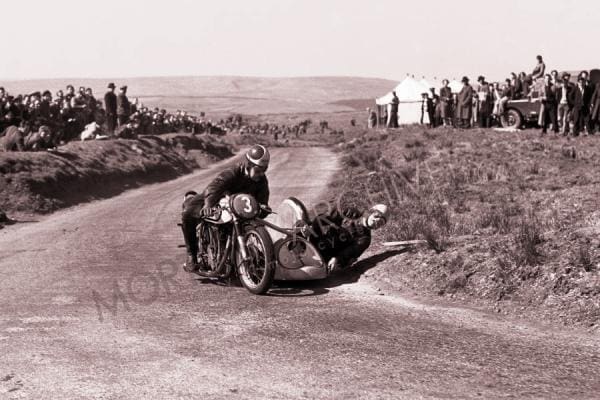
column 376, row 217
column 382, row 209
column 259, row 155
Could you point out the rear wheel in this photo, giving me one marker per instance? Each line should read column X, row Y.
column 256, row 274
column 511, row 119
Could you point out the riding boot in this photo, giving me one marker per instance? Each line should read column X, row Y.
column 188, row 226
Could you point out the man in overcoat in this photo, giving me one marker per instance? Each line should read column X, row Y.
column 465, row 104
column 110, row 105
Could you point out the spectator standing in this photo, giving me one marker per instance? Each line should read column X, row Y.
column 486, row 103
column 548, row 97
column 564, row 105
column 426, row 110
column 371, row 118
column 45, row 110
column 91, row 105
column 393, row 114
column 123, row 107
column 577, row 97
column 465, row 103
column 595, row 109
column 446, row 103
column 555, row 77
column 435, row 115
column 110, row 104
column 587, row 100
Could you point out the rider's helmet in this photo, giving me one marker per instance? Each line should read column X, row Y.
column 258, row 155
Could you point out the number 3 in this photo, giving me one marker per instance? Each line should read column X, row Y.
column 247, row 203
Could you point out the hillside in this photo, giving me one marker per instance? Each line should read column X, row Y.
column 218, row 95
column 78, row 172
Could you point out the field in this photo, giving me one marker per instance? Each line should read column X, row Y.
column 510, row 220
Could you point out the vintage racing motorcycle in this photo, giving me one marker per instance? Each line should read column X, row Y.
column 234, row 241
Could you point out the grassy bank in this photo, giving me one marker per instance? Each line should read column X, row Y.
column 511, row 220
column 42, row 182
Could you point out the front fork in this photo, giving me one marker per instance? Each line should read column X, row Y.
column 241, row 241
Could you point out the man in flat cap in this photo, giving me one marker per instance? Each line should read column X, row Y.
column 110, row 104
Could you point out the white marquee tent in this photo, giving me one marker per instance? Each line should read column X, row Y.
column 456, row 86
column 409, row 92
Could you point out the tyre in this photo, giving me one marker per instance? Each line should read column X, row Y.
column 257, row 274
column 512, row 119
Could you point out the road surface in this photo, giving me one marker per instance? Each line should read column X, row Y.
column 94, row 304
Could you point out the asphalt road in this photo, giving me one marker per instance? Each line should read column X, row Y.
column 94, row 304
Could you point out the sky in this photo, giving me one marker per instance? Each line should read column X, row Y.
column 283, row 38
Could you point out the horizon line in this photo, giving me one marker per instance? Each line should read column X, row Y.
column 194, row 76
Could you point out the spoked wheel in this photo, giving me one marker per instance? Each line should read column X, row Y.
column 511, row 119
column 211, row 249
column 256, row 274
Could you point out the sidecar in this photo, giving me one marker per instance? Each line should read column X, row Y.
column 297, row 258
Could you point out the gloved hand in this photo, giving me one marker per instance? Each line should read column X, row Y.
column 333, row 264
column 206, row 211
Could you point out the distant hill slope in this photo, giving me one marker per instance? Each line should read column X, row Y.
column 226, row 94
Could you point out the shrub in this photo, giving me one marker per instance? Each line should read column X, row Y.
column 415, row 143
column 497, row 218
column 436, row 240
column 583, row 258
column 417, row 154
column 527, row 239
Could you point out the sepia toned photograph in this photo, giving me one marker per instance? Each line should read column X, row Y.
column 286, row 199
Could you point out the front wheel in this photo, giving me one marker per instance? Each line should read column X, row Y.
column 256, row 274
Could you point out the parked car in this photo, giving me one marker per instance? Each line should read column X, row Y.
column 525, row 112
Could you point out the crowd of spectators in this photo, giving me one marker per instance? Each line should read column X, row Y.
column 564, row 106
column 41, row 120
column 277, row 131
column 483, row 104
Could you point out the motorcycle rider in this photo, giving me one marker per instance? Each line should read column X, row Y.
column 341, row 237
column 245, row 177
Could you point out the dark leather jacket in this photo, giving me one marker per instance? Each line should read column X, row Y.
column 340, row 235
column 234, row 180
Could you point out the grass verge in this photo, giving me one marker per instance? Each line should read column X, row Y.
column 510, row 220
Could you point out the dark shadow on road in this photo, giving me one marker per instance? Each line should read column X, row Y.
column 337, row 278
column 314, row 288
column 10, row 221
column 217, row 282
column 353, row 274
column 297, row 289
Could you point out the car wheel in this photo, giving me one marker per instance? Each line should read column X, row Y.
column 511, row 119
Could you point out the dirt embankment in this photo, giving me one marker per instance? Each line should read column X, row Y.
column 510, row 220
column 42, row 182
